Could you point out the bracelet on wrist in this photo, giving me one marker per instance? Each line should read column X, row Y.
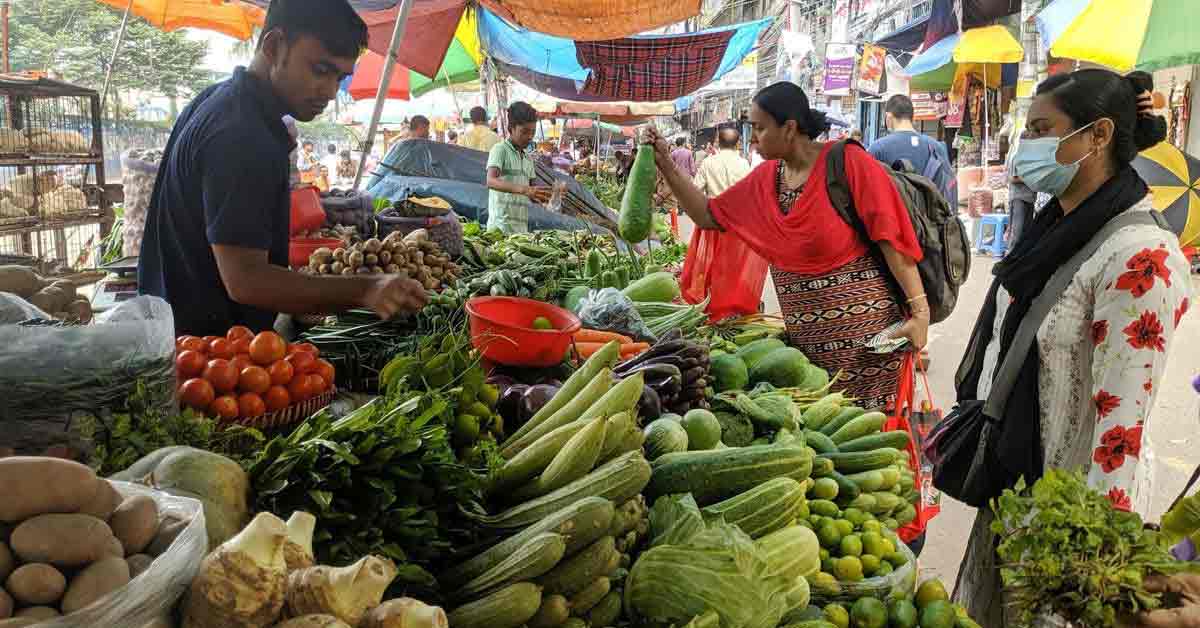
column 916, row 298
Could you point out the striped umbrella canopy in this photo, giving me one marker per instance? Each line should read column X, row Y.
column 1174, row 180
column 1123, row 34
column 228, row 17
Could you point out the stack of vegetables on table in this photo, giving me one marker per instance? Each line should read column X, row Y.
column 413, row 255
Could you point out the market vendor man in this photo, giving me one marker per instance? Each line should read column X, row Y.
column 216, row 242
column 510, row 174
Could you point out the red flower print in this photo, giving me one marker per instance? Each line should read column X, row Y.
column 1105, row 403
column 1180, row 311
column 1119, row 499
column 1099, row 332
column 1143, row 268
column 1115, row 444
column 1146, row 332
column 1148, row 386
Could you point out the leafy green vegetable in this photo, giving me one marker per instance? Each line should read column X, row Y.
column 1066, row 550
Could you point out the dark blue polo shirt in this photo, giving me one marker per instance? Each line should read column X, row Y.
column 223, row 180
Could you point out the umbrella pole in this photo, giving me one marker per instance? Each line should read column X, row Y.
column 596, row 152
column 451, row 88
column 112, row 61
column 986, row 120
column 389, row 65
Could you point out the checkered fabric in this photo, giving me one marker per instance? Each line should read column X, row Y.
column 651, row 69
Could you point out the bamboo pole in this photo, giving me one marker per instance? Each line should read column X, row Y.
column 389, row 65
column 112, row 61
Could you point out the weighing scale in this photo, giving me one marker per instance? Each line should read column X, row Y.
column 120, row 285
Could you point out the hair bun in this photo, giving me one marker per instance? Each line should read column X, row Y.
column 818, row 123
column 1150, row 130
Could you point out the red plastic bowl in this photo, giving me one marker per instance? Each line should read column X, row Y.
column 307, row 212
column 300, row 249
column 501, row 328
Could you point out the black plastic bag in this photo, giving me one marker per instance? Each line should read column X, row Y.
column 965, row 465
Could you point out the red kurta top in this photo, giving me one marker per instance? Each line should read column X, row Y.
column 812, row 239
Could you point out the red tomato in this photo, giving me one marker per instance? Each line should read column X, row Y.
column 303, row 362
column 267, row 347
column 237, row 332
column 241, row 361
column 222, row 375
column 224, row 407
column 209, row 339
column 221, row 348
column 251, row 405
column 254, row 379
column 241, row 345
column 326, row 371
column 298, row 388
column 190, row 364
column 197, row 393
column 306, row 347
column 281, row 373
column 192, row 343
column 316, row 384
column 277, row 398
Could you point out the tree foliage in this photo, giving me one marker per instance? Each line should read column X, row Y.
column 75, row 38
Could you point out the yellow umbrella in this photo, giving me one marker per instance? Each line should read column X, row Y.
column 232, row 18
column 988, row 44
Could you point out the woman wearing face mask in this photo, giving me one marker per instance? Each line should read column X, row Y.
column 833, row 293
column 1085, row 388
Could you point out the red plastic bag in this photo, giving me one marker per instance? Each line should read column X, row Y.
column 720, row 264
column 929, row 504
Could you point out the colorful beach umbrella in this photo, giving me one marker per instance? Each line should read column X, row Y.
column 1174, row 180
column 228, row 17
column 459, row 65
column 1123, row 34
column 979, row 51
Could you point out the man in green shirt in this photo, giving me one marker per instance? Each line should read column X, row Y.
column 510, row 174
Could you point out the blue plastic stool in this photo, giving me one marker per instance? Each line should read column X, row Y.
column 999, row 244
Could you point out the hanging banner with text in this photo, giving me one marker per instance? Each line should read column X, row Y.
column 839, row 69
column 870, row 69
column 928, row 106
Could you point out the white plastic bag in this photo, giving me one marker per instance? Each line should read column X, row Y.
column 154, row 592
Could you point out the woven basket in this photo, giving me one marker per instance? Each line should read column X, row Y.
column 445, row 230
column 289, row 416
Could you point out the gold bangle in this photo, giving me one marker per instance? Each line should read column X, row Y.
column 919, row 296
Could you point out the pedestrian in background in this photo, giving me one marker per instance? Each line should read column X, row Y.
column 719, row 172
column 418, row 128
column 682, row 156
column 511, row 172
column 480, row 136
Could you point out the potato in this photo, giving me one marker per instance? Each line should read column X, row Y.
column 95, row 582
column 61, row 540
column 134, row 523
column 18, row 622
column 106, row 500
column 138, row 563
column 7, row 561
column 313, row 621
column 6, row 604
column 38, row 612
column 36, row 583
column 168, row 529
column 20, row 280
column 114, row 548
column 35, row 486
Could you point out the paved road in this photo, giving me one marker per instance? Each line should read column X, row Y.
column 1174, row 425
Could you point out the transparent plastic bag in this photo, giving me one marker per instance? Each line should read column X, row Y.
column 50, row 374
column 154, row 592
column 900, row 583
column 14, row 309
column 609, row 310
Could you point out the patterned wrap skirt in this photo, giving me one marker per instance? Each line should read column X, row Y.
column 831, row 317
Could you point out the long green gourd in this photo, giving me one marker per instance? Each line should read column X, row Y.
column 606, row 357
column 636, row 204
column 568, row 413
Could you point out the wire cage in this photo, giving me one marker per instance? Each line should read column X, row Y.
column 51, row 167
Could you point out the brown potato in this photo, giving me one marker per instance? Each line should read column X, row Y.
column 106, row 500
column 168, row 529
column 138, row 563
column 6, row 604
column 36, row 583
column 7, row 561
column 35, row 485
column 96, row 581
column 313, row 621
column 114, row 548
column 61, row 540
column 38, row 612
column 134, row 523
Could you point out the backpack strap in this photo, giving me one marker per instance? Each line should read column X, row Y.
column 837, row 185
column 1187, row 487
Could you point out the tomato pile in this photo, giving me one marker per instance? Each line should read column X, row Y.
column 246, row 375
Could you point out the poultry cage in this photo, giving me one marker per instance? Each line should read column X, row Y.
column 52, row 189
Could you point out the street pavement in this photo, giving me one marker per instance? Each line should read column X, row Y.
column 1174, row 423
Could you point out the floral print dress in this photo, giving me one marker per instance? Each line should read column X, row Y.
column 1103, row 349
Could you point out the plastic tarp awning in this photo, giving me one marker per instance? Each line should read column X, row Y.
column 589, row 20
column 551, row 65
column 228, row 18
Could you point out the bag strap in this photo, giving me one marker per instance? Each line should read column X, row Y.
column 837, row 185
column 1006, row 374
column 1187, row 487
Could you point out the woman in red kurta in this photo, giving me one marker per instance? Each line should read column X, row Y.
column 834, row 295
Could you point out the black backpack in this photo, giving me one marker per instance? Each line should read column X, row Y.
column 940, row 233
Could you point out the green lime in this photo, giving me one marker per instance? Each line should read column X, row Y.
column 845, row 526
column 896, row 559
column 854, row 515
column 872, row 543
column 824, row 583
column 932, row 590
column 872, row 526
column 824, row 488
column 542, row 323
column 837, row 615
column 829, row 534
column 852, row 545
column 823, row 554
column 938, row 614
column 891, row 524
column 828, row 565
column 870, row 563
column 884, row 569
column 466, row 428
column 868, row 612
column 902, row 614
column 848, row 568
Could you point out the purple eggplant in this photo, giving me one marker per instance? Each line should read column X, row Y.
column 550, row 381
column 502, row 382
column 509, row 405
column 534, row 398
column 650, row 405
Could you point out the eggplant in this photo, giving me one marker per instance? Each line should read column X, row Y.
column 550, row 381
column 666, row 385
column 672, row 335
column 650, row 405
column 693, row 374
column 534, row 398
column 657, row 372
column 509, row 405
column 658, row 350
column 503, row 382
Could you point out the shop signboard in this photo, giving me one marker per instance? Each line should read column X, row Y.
column 928, row 106
column 870, row 69
column 839, row 69
column 744, row 76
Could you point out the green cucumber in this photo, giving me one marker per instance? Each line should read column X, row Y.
column 858, row 427
column 867, row 481
column 716, row 474
column 896, row 439
column 843, row 417
column 819, row 442
column 855, row 461
column 847, row 490
column 822, row 467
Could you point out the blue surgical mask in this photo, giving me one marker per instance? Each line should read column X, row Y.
column 1037, row 164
